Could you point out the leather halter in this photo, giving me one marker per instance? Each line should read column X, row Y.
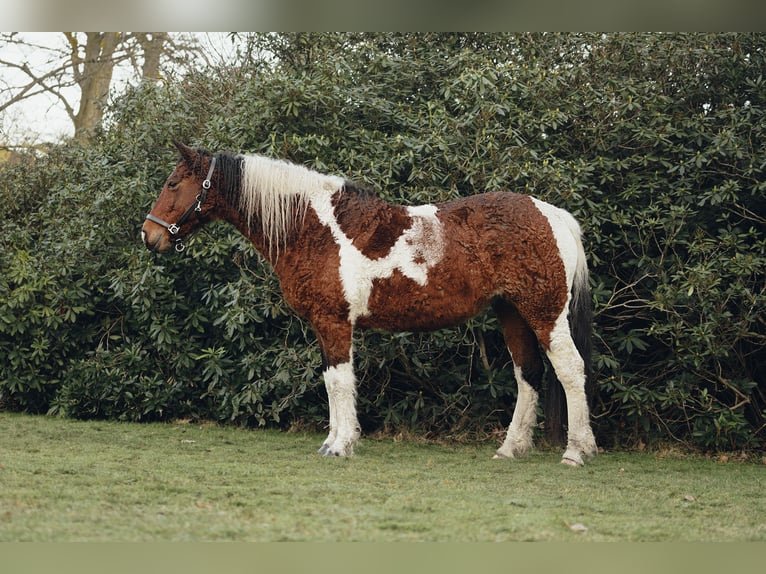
column 196, row 207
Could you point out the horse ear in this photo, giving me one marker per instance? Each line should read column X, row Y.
column 188, row 154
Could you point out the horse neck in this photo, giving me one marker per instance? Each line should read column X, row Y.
column 270, row 200
column 317, row 223
column 250, row 227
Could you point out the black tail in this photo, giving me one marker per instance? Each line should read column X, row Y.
column 580, row 325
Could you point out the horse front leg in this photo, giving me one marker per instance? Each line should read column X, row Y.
column 340, row 382
column 344, row 425
column 329, row 387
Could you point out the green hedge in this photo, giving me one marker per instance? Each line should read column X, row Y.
column 655, row 142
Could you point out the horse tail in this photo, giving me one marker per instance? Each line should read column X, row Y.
column 580, row 326
column 581, row 320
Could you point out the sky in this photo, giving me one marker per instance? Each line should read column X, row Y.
column 40, row 118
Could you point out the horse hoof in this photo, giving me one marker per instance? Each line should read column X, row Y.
column 499, row 456
column 330, row 453
column 572, row 462
column 323, row 449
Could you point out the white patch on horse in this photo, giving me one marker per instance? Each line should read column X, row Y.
column 567, row 232
column 423, row 244
column 419, row 248
column 570, row 370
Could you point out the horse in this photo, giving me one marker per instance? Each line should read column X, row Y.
column 346, row 259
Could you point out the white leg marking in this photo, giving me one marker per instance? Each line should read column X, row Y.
column 344, row 426
column 519, row 438
column 329, row 383
column 569, row 368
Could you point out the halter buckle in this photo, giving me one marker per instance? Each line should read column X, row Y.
column 173, row 229
column 206, row 183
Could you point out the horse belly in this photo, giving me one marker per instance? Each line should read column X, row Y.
column 397, row 303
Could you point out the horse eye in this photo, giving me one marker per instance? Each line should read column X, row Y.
column 172, row 184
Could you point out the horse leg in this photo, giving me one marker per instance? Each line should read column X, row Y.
column 333, row 433
column 570, row 371
column 340, row 382
column 528, row 368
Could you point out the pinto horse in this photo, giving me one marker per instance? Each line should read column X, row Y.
column 346, row 259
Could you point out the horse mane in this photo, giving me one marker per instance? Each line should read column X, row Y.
column 357, row 189
column 273, row 194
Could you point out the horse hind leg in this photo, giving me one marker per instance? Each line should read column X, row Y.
column 528, row 369
column 570, row 371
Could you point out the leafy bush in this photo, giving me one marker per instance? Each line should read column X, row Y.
column 654, row 141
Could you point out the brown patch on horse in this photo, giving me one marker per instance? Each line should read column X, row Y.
column 397, row 303
column 536, row 278
column 521, row 342
column 372, row 224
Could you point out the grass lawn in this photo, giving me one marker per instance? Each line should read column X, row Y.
column 65, row 480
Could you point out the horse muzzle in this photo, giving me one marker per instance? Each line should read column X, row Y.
column 154, row 238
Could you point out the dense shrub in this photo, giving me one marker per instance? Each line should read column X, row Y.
column 655, row 142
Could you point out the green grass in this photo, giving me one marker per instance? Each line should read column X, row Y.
column 65, row 480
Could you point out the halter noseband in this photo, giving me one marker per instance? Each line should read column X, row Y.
column 196, row 207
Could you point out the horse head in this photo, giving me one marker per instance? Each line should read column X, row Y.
column 185, row 202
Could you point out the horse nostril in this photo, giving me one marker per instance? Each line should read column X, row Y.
column 148, row 241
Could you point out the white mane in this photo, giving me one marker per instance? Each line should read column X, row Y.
column 279, row 192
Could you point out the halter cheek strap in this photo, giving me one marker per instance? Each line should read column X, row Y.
column 196, row 207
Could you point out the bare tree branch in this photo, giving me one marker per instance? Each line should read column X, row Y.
column 41, row 82
column 82, row 60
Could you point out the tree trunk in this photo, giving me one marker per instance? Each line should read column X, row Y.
column 93, row 73
column 153, row 46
